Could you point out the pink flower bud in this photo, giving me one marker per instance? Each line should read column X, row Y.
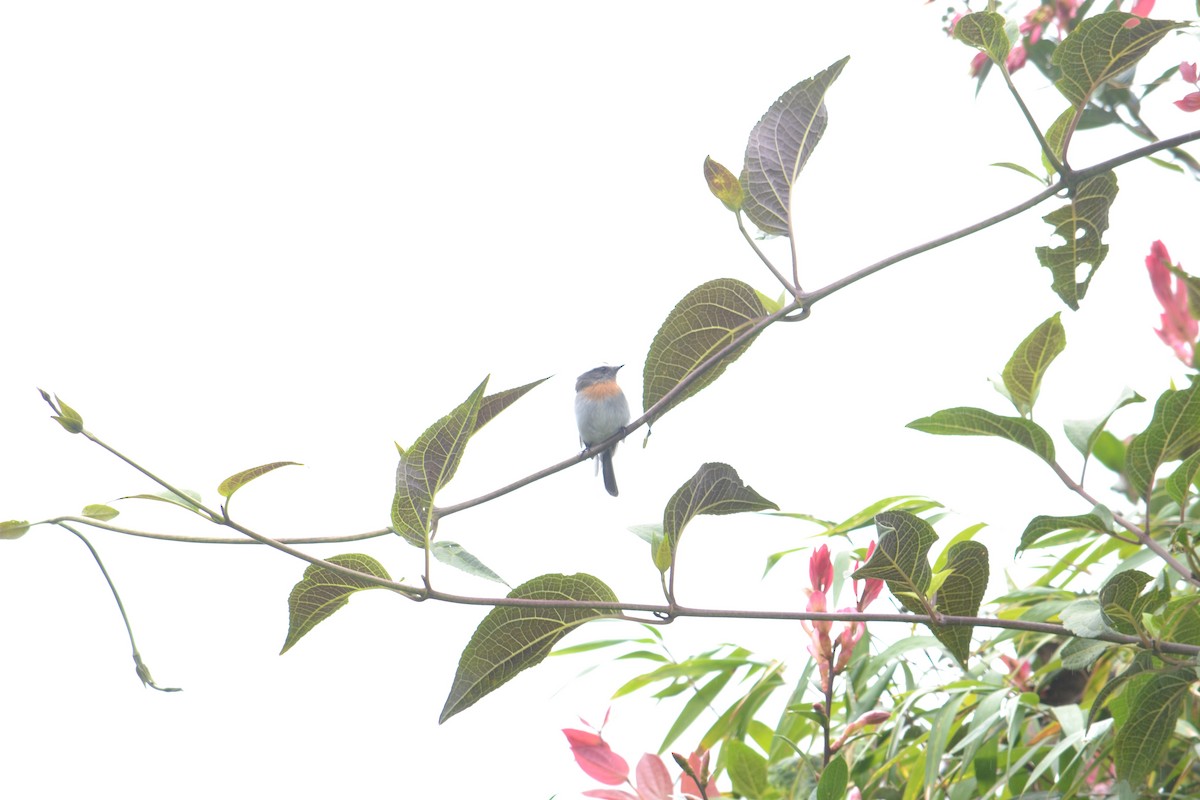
column 820, row 569
column 1188, row 71
column 1179, row 329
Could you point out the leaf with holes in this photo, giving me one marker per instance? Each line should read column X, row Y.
column 965, row 421
column 235, row 482
column 780, row 145
column 1081, row 224
column 1023, row 373
column 1101, row 48
column 715, row 489
column 323, row 591
column 1173, row 432
column 514, row 638
column 710, row 317
column 984, row 30
column 429, row 465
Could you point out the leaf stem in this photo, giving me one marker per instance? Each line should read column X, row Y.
column 1046, row 149
column 142, row 672
column 792, row 290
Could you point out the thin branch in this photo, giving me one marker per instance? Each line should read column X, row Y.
column 1142, row 536
column 173, row 537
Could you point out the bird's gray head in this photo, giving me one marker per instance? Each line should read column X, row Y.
column 597, row 375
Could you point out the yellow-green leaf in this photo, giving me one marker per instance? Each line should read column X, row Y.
column 13, row 529
column 240, row 479
column 1023, row 373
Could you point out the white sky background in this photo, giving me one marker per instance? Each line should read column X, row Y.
column 248, row 232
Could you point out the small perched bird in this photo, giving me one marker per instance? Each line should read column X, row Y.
column 601, row 411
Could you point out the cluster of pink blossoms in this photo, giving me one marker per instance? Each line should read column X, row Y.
column 833, row 656
column 1179, row 328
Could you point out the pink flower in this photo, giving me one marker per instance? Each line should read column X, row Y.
column 977, row 63
column 851, row 635
column 1016, row 58
column 1142, row 8
column 820, row 569
column 1018, row 672
column 873, row 585
column 1179, row 329
column 1188, row 71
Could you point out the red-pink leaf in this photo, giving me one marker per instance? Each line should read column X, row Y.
column 653, row 780
column 1190, row 102
column 596, row 758
column 609, row 794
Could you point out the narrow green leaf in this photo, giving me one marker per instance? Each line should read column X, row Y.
column 1102, row 47
column 834, row 777
column 706, row 320
column 429, row 465
column 780, row 145
column 511, row 639
column 13, row 529
column 1083, row 433
column 1023, row 373
column 746, row 767
column 188, row 500
column 493, row 404
column 322, row 591
column 715, row 489
column 240, row 479
column 100, row 511
column 1174, row 430
column 984, row 30
column 1020, row 169
column 965, row 421
column 1081, row 224
column 455, row 555
column 1100, row 520
column 961, row 594
column 700, row 702
column 1141, row 742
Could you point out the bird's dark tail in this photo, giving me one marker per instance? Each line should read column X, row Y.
column 610, row 479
